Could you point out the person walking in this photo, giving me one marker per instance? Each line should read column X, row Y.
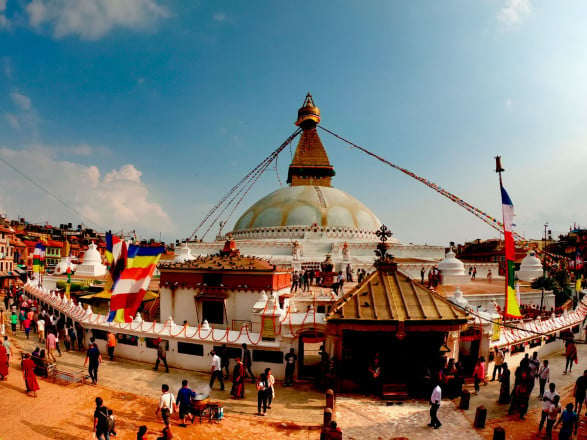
column 547, row 401
column 262, row 387
column 423, row 272
column 435, row 400
column 247, row 361
column 41, row 329
column 225, row 360
column 28, row 373
column 111, row 344
column 216, row 371
column 101, row 430
column 543, row 377
column 570, row 423
column 271, row 387
column 570, row 355
column 161, row 355
column 580, row 391
column 498, row 359
column 184, row 401
column 51, row 343
column 166, row 404
column 8, row 345
column 553, row 411
column 479, row 373
column 290, row 366
column 94, row 358
column 238, row 380
column 3, row 361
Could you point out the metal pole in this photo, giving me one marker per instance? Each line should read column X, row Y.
column 499, row 170
column 543, row 267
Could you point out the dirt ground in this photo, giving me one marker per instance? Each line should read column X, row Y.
column 63, row 411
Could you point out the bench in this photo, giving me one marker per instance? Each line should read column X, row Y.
column 395, row 391
column 43, row 367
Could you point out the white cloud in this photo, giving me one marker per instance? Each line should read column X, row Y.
column 116, row 200
column 220, row 17
column 514, row 12
column 508, row 103
column 92, row 19
column 23, row 102
column 13, row 121
column 26, row 117
column 4, row 22
column 7, row 67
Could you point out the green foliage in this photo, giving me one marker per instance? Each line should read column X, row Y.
column 558, row 283
column 75, row 286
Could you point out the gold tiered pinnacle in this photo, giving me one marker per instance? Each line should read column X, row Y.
column 310, row 164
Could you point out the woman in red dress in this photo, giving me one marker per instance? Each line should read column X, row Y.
column 28, row 372
column 3, row 361
column 238, row 380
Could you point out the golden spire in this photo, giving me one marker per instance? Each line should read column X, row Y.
column 310, row 164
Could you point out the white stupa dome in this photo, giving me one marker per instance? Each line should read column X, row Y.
column 531, row 268
column 183, row 254
column 92, row 263
column 305, row 206
column 92, row 255
column 458, row 298
column 451, row 265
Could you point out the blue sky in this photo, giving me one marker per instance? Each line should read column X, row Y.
column 141, row 114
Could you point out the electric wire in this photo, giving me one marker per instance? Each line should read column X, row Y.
column 51, row 194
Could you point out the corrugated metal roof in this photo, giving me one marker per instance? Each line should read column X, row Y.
column 385, row 296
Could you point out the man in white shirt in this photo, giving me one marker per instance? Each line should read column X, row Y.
column 166, row 404
column 547, row 401
column 216, row 370
column 435, row 399
column 41, row 329
column 543, row 377
column 498, row 363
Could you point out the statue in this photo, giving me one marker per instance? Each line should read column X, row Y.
column 297, row 250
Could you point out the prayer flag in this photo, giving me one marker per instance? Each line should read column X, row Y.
column 116, row 253
column 512, row 307
column 39, row 258
column 133, row 280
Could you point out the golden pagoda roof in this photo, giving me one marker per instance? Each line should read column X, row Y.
column 385, row 297
column 310, row 164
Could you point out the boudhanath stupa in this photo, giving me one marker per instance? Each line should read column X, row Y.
column 301, row 225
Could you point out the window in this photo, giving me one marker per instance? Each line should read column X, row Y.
column 213, row 311
column 128, row 339
column 100, row 334
column 152, row 343
column 193, row 349
column 233, row 352
column 272, row 357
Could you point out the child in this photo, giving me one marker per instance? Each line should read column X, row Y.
column 111, row 423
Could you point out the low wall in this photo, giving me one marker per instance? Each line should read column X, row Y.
column 189, row 347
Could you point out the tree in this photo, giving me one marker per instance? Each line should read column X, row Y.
column 558, row 283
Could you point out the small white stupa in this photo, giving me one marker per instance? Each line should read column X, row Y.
column 92, row 264
column 458, row 299
column 452, row 270
column 183, row 254
column 64, row 264
column 530, row 269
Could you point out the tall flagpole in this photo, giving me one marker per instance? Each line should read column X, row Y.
column 499, row 170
